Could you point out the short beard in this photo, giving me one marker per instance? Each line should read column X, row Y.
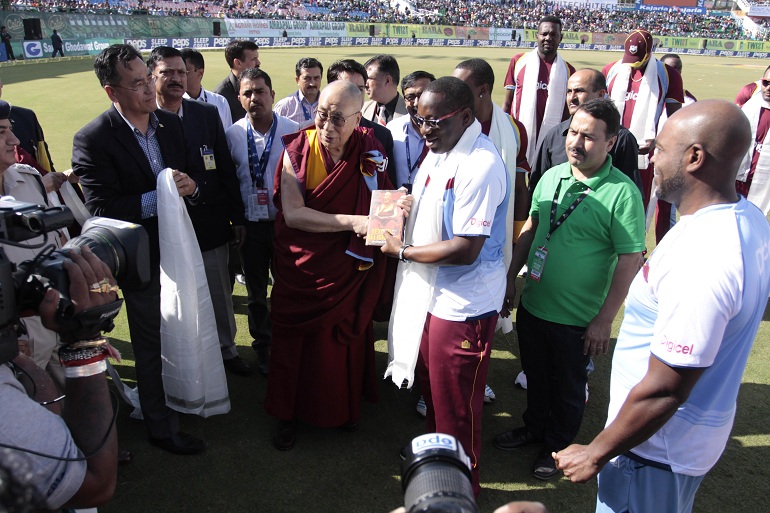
column 671, row 186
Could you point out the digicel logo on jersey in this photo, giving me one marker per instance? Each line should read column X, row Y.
column 480, row 222
column 631, row 96
column 542, row 85
column 672, row 347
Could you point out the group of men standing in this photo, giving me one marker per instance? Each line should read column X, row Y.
column 289, row 185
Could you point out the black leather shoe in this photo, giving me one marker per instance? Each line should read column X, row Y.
column 180, row 443
column 285, row 435
column 263, row 358
column 545, row 467
column 238, row 365
column 516, row 438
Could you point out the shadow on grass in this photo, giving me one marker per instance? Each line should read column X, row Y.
column 334, row 471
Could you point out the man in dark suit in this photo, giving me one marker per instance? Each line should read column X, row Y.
column 240, row 55
column 353, row 71
column 212, row 168
column 118, row 157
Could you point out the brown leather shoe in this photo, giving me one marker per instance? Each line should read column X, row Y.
column 285, row 435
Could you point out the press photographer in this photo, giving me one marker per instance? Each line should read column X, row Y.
column 72, row 458
column 26, row 184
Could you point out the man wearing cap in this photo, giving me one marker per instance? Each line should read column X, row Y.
column 536, row 83
column 642, row 87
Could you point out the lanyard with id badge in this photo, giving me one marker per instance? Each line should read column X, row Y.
column 541, row 253
column 258, row 198
column 411, row 167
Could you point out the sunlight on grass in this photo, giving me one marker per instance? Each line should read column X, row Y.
column 749, row 441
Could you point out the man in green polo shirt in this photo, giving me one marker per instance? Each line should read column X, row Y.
column 581, row 258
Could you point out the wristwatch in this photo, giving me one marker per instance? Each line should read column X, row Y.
column 401, row 252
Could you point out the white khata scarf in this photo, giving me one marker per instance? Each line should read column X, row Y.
column 647, row 100
column 759, row 192
column 503, row 136
column 554, row 106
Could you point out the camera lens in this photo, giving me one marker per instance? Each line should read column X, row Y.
column 123, row 246
column 436, row 476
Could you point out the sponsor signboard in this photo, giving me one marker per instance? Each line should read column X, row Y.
column 32, row 49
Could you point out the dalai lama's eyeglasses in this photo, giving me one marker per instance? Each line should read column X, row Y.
column 435, row 124
column 337, row 120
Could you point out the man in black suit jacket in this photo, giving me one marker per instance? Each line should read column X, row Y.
column 212, row 168
column 118, row 157
column 240, row 55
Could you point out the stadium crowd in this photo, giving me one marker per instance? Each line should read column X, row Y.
column 478, row 13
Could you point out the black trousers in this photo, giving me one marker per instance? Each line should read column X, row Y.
column 143, row 310
column 256, row 257
column 553, row 360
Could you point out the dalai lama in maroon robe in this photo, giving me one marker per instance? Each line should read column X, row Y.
column 327, row 281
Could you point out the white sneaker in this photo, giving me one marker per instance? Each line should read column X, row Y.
column 240, row 279
column 422, row 408
column 521, row 380
column 489, row 395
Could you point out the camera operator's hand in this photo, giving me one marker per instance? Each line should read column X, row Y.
column 522, row 507
column 88, row 411
column 84, row 269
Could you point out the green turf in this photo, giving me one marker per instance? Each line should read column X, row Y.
column 332, row 471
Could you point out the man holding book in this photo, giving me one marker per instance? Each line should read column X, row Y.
column 454, row 246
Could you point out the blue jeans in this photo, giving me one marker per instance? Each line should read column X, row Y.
column 626, row 485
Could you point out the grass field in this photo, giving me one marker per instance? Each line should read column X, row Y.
column 333, row 471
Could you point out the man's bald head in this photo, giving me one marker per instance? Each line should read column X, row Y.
column 720, row 126
column 342, row 91
column 698, row 153
column 338, row 114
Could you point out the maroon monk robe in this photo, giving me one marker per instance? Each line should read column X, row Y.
column 322, row 303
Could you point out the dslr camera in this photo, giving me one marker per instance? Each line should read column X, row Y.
column 436, row 476
column 123, row 246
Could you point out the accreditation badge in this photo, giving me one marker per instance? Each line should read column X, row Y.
column 258, row 201
column 538, row 263
column 208, row 159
